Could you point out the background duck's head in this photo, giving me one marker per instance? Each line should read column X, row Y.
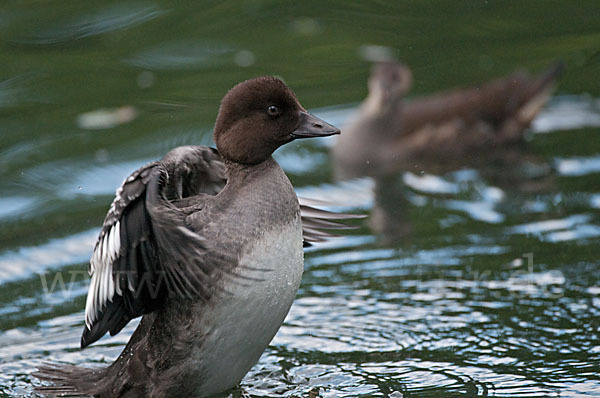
column 389, row 82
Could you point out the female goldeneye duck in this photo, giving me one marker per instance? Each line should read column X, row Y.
column 207, row 246
column 389, row 134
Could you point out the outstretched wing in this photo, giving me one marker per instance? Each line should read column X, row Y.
column 318, row 223
column 124, row 237
column 144, row 249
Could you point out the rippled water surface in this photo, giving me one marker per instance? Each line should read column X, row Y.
column 475, row 281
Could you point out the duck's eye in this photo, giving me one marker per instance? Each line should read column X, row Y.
column 273, row 110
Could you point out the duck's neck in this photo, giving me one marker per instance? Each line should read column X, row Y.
column 376, row 105
column 265, row 188
column 385, row 114
column 237, row 172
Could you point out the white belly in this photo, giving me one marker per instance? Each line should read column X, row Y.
column 241, row 325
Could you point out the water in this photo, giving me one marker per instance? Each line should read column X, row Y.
column 470, row 282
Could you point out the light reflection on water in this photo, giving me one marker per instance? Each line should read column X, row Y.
column 56, row 253
column 94, row 23
column 182, row 55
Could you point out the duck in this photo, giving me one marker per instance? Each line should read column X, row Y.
column 389, row 134
column 206, row 245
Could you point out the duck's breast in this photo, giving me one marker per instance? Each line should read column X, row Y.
column 240, row 324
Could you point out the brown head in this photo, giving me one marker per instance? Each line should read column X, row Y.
column 259, row 115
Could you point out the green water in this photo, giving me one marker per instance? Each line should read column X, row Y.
column 472, row 283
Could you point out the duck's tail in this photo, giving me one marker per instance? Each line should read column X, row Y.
column 69, row 381
column 538, row 93
column 548, row 78
column 526, row 101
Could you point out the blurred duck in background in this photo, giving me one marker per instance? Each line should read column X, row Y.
column 389, row 134
column 481, row 127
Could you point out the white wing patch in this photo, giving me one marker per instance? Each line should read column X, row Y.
column 102, row 286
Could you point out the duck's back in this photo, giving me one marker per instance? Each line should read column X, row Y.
column 493, row 104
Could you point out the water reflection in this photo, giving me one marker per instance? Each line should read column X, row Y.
column 104, row 20
column 578, row 166
column 479, row 194
column 10, row 92
column 182, row 55
column 56, row 253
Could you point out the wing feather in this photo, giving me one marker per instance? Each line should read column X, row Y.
column 141, row 250
column 316, row 223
